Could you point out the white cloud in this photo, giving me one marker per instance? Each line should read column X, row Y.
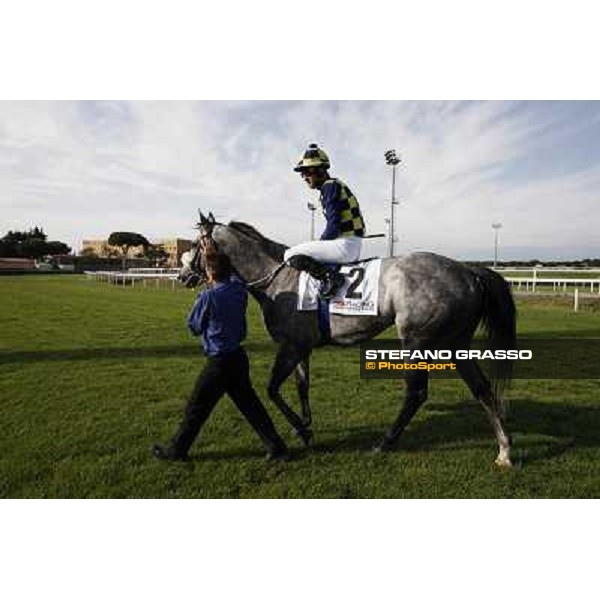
column 86, row 169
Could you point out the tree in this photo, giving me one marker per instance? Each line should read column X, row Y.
column 126, row 240
column 37, row 233
column 54, row 248
column 30, row 244
column 8, row 248
column 157, row 254
column 109, row 251
column 34, row 247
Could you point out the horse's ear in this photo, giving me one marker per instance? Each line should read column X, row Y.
column 203, row 219
column 211, row 218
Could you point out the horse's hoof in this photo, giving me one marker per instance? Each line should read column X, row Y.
column 503, row 463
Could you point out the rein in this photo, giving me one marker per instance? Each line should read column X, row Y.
column 207, row 245
column 267, row 279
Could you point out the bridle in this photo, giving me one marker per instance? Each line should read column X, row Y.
column 193, row 272
column 206, row 245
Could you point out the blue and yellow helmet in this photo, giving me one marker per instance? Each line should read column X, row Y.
column 313, row 157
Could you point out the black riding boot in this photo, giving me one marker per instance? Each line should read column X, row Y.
column 331, row 281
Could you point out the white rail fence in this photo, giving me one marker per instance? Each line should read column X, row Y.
column 559, row 285
column 531, row 284
column 546, row 270
column 155, row 270
column 140, row 277
column 147, row 276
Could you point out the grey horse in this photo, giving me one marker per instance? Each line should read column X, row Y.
column 433, row 301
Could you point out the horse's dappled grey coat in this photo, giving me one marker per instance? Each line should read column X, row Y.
column 434, row 302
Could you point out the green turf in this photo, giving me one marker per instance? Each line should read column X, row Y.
column 91, row 374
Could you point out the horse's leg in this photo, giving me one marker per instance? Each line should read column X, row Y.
column 302, row 373
column 480, row 387
column 288, row 357
column 416, row 394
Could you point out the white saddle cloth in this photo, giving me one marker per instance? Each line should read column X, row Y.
column 358, row 296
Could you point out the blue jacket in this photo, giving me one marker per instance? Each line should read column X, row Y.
column 219, row 316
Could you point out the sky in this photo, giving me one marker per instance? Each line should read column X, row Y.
column 84, row 169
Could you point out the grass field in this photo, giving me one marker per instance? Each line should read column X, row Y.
column 91, row 374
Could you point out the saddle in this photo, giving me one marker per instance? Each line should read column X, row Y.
column 329, row 275
column 355, row 292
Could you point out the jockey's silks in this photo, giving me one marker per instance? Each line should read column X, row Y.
column 341, row 211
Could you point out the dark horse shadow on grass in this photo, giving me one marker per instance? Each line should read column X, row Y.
column 542, row 430
column 110, row 353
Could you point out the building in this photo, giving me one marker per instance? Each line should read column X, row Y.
column 174, row 247
column 17, row 264
column 103, row 250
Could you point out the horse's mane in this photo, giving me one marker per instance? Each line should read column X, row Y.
column 273, row 249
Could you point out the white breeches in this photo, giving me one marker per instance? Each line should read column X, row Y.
column 338, row 251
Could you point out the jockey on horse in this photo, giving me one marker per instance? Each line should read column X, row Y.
column 342, row 239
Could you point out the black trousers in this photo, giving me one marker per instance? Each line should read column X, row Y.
column 229, row 374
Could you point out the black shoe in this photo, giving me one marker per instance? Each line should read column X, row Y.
column 331, row 285
column 163, row 452
column 279, row 454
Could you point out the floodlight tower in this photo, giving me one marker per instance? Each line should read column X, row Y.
column 495, row 227
column 311, row 207
column 387, row 226
column 392, row 160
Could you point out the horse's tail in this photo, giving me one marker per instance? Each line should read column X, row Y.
column 499, row 321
